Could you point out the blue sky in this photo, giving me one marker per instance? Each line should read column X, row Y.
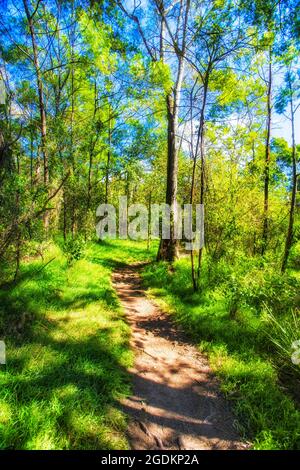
column 282, row 127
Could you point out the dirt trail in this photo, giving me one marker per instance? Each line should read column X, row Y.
column 175, row 403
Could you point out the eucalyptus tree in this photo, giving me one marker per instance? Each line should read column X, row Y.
column 31, row 15
column 163, row 27
column 265, row 17
column 219, row 38
column 288, row 102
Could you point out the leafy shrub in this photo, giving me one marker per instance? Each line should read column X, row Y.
column 234, row 295
column 259, row 288
column 219, row 272
column 240, row 352
column 294, row 260
column 74, row 249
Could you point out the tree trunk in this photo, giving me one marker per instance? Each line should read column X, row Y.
column 107, row 171
column 265, row 232
column 149, row 221
column 43, row 122
column 199, row 146
column 64, row 214
column 168, row 249
column 93, row 143
column 18, row 234
column 290, row 232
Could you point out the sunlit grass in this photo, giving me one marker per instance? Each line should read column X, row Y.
column 239, row 351
column 67, row 352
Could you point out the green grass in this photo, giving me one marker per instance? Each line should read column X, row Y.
column 239, row 350
column 67, row 352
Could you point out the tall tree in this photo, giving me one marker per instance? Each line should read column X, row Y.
column 30, row 15
column 289, row 99
column 170, row 51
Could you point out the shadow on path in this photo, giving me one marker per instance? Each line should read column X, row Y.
column 176, row 403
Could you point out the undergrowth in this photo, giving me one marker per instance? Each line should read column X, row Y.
column 239, row 348
column 67, row 351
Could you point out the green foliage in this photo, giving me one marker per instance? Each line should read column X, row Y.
column 107, row 131
column 160, row 75
column 74, row 249
column 224, row 319
column 295, row 252
column 98, row 38
column 262, row 286
column 137, row 67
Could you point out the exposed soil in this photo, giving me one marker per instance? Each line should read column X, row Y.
column 176, row 402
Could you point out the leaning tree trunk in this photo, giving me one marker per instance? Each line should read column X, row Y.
column 202, row 166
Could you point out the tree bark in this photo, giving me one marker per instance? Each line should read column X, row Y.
column 43, row 122
column 199, row 147
column 265, row 231
column 93, row 143
column 168, row 248
column 107, row 170
column 290, row 231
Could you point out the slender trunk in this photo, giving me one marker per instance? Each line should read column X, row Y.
column 88, row 203
column 127, row 187
column 91, row 157
column 43, row 122
column 18, row 235
column 73, row 215
column 31, row 159
column 72, row 157
column 107, row 176
column 149, row 221
column 107, row 172
column 265, row 232
column 202, row 168
column 194, row 156
column 199, row 148
column 72, row 113
column 290, row 231
column 168, row 249
column 89, row 188
column 64, row 215
column 73, row 220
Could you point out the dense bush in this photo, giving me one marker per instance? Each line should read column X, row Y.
column 242, row 318
column 257, row 288
column 74, row 249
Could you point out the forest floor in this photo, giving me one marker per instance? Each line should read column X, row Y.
column 176, row 403
column 174, row 364
column 68, row 354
